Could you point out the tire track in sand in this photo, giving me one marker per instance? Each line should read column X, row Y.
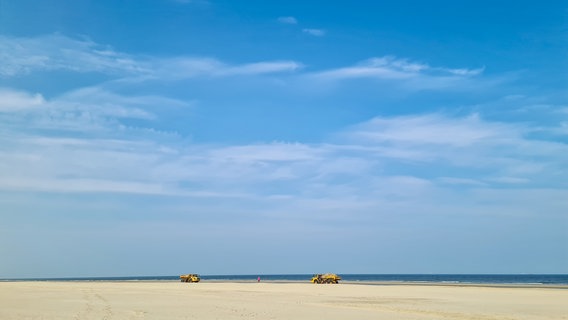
column 95, row 306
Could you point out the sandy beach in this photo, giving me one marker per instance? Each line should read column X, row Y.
column 221, row 300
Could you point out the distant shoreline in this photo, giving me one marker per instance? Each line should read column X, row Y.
column 369, row 283
column 461, row 284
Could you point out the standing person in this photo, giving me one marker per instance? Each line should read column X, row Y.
column 258, row 279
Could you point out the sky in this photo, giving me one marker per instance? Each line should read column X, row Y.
column 161, row 137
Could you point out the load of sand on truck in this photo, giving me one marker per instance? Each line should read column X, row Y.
column 325, row 278
column 190, row 277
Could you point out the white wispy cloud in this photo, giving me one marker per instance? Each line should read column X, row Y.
column 464, row 72
column 267, row 152
column 509, row 180
column 90, row 110
column 15, row 100
column 262, row 68
column 288, row 20
column 461, row 181
column 314, row 32
column 433, row 129
column 189, row 67
column 57, row 52
column 410, row 74
column 110, row 103
column 470, row 143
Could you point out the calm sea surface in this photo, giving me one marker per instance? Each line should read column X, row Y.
column 436, row 278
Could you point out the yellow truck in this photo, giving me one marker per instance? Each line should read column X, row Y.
column 190, row 277
column 325, row 278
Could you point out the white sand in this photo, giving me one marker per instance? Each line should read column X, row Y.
column 214, row 300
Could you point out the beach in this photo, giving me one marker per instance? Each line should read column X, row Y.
column 47, row 300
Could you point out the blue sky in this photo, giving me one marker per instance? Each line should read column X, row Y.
column 160, row 137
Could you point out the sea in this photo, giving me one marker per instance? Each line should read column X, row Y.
column 533, row 279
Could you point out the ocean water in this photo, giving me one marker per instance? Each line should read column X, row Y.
column 550, row 279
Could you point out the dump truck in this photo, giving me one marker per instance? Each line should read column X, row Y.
column 325, row 278
column 190, row 277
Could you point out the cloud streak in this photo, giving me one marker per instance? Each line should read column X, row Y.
column 402, row 70
column 433, row 129
column 22, row 56
column 14, row 100
column 288, row 20
column 314, row 32
column 57, row 52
